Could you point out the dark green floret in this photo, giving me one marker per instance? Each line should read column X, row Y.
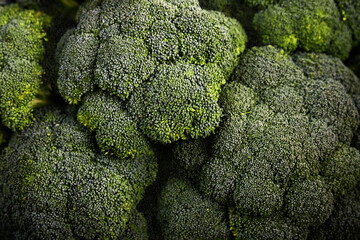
column 344, row 221
column 186, row 214
column 264, row 228
column 350, row 13
column 282, row 154
column 190, row 156
column 54, row 183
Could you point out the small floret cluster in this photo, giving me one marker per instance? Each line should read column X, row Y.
column 21, row 50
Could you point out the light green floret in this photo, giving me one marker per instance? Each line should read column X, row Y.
column 313, row 26
column 21, row 51
column 175, row 106
column 168, row 54
column 116, row 132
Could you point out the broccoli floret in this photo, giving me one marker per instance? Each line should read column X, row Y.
column 309, row 202
column 21, row 50
column 319, row 66
column 137, row 228
column 240, row 10
column 185, row 214
column 264, row 228
column 116, row 132
column 282, row 153
column 344, row 222
column 166, row 59
column 313, row 26
column 190, row 156
column 350, row 12
column 342, row 170
column 54, row 183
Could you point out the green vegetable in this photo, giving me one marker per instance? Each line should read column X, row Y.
column 165, row 61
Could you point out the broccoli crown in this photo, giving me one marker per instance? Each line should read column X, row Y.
column 54, row 184
column 166, row 59
column 282, row 154
column 313, row 26
column 184, row 213
column 21, row 50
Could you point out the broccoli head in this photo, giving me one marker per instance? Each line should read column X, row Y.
column 314, row 26
column 21, row 50
column 167, row 61
column 55, row 184
column 282, row 154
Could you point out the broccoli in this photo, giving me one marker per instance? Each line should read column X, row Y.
column 190, row 155
column 241, row 10
column 322, row 66
column 55, row 184
column 185, row 214
column 137, row 228
column 116, row 132
column 165, row 61
column 344, row 222
column 273, row 227
column 21, row 50
column 281, row 156
column 314, row 26
column 350, row 12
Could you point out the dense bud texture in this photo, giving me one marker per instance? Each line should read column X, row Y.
column 282, row 154
column 167, row 60
column 21, row 51
column 187, row 214
column 54, row 184
column 314, row 26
